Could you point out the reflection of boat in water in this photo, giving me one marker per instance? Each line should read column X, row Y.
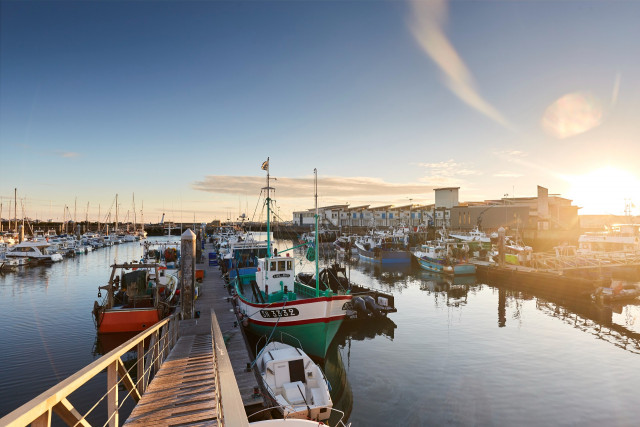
column 341, row 392
column 619, row 291
column 365, row 329
column 106, row 342
column 455, row 288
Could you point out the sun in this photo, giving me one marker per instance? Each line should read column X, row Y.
column 604, row 191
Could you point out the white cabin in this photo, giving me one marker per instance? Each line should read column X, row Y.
column 276, row 273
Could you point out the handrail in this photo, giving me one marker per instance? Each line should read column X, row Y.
column 231, row 410
column 38, row 410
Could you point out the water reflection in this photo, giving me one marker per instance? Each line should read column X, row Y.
column 104, row 343
column 341, row 393
column 452, row 291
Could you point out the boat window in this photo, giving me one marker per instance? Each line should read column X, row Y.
column 281, row 265
column 273, row 266
column 289, row 266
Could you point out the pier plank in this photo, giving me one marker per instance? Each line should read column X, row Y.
column 170, row 398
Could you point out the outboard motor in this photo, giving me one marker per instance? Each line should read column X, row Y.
column 372, row 306
column 360, row 306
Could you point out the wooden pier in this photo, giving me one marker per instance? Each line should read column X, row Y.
column 184, row 390
column 199, row 370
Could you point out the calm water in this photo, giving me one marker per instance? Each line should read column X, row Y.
column 461, row 353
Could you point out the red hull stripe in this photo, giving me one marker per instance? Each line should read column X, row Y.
column 297, row 302
column 297, row 322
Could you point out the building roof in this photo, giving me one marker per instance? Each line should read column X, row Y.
column 359, row 208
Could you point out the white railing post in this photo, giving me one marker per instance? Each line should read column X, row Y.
column 112, row 397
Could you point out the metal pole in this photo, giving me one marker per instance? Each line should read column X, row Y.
column 188, row 273
column 315, row 172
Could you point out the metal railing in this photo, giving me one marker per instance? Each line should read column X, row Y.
column 229, row 403
column 38, row 412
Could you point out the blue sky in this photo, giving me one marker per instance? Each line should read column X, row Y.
column 180, row 103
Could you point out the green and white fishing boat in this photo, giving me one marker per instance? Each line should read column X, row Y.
column 270, row 298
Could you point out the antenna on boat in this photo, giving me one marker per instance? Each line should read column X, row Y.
column 315, row 184
column 265, row 167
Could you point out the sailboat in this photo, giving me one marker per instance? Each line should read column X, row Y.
column 271, row 298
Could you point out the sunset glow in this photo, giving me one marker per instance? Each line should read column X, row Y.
column 604, row 191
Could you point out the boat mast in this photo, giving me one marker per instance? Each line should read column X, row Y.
column 15, row 208
column 265, row 166
column 134, row 213
column 315, row 184
column 116, row 224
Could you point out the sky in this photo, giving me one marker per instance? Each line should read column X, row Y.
column 174, row 106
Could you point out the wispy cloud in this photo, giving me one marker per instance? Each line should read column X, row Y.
column 616, row 89
column 447, row 173
column 426, row 25
column 339, row 188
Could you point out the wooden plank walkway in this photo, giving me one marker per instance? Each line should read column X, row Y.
column 183, row 391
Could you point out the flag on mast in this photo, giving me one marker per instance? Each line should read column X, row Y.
column 265, row 164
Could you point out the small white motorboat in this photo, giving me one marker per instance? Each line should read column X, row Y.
column 294, row 383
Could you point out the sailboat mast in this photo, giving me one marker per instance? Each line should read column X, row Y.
column 315, row 182
column 116, row 224
column 134, row 213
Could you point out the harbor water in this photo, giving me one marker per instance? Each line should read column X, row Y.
column 457, row 352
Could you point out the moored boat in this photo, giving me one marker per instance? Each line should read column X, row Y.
column 269, row 298
column 445, row 256
column 37, row 251
column 619, row 239
column 135, row 299
column 384, row 248
column 293, row 382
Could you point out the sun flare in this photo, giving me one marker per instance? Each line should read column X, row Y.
column 604, row 191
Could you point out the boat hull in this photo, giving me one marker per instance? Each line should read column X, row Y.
column 434, row 266
column 127, row 320
column 385, row 257
column 313, row 321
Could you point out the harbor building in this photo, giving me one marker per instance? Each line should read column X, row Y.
column 545, row 218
